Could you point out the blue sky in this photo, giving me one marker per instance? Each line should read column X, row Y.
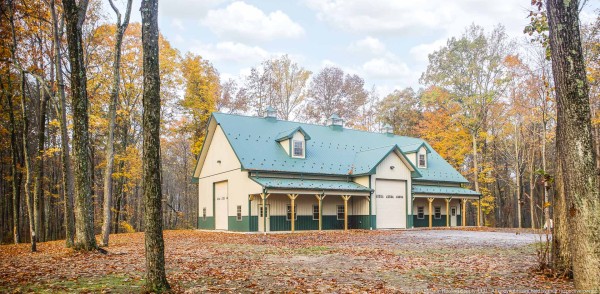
column 385, row 42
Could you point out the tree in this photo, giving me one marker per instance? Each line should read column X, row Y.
column 574, row 143
column 67, row 170
column 74, row 15
column 112, row 113
column 202, row 91
column 332, row 92
column 471, row 68
column 288, row 83
column 156, row 279
column 400, row 109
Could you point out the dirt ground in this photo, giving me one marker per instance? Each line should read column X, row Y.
column 343, row 262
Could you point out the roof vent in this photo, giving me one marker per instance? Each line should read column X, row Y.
column 335, row 121
column 271, row 113
column 387, row 129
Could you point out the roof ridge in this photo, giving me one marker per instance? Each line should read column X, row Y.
column 316, row 125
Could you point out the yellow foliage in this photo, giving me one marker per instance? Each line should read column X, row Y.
column 128, row 228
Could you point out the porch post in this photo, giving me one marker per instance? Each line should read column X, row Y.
column 264, row 197
column 293, row 216
column 463, row 212
column 250, row 199
column 320, row 201
column 430, row 211
column 346, row 211
column 448, row 211
column 479, row 212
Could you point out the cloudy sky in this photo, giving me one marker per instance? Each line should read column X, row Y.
column 385, row 42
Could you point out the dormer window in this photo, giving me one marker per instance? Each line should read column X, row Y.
column 298, row 148
column 422, row 160
column 293, row 142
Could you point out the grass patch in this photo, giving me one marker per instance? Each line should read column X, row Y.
column 314, row 250
column 111, row 283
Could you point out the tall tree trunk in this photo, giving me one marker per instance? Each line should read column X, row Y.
column 67, row 171
column 84, row 226
column 546, row 204
column 574, row 142
column 476, row 172
column 532, row 186
column 14, row 171
column 156, row 280
column 27, row 160
column 112, row 113
column 518, row 177
column 25, row 131
column 561, row 254
column 39, row 167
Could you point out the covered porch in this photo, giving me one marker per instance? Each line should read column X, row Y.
column 442, row 206
column 308, row 204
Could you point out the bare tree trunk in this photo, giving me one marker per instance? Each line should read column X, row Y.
column 476, row 173
column 112, row 113
column 532, row 186
column 518, row 177
column 84, row 235
column 67, row 171
column 27, row 160
column 39, row 167
column 156, row 279
column 574, row 142
column 14, row 171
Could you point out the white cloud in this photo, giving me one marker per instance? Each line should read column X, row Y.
column 368, row 45
column 178, row 24
column 420, row 53
column 419, row 17
column 241, row 21
column 231, row 51
column 385, row 68
column 187, row 9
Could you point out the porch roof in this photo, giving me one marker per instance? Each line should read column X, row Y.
column 307, row 184
column 443, row 190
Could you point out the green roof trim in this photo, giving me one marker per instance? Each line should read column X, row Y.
column 306, row 184
column 286, row 135
column 444, row 190
column 415, row 147
column 366, row 162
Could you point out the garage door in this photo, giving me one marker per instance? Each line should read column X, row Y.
column 390, row 198
column 221, row 199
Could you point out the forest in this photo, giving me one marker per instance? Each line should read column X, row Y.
column 486, row 102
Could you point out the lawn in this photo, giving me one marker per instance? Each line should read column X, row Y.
column 354, row 261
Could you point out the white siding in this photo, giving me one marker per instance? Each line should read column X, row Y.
column 229, row 169
column 399, row 172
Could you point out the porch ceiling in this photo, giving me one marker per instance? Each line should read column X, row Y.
column 326, row 186
column 429, row 191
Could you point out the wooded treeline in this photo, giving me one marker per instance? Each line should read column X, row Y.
column 487, row 105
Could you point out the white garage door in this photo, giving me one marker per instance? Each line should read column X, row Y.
column 391, row 204
column 221, row 199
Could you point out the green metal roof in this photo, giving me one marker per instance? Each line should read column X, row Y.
column 444, row 190
column 331, row 151
column 280, row 183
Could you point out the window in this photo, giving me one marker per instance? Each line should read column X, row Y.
column 437, row 212
column 298, row 148
column 453, row 211
column 239, row 212
column 422, row 160
column 340, row 212
column 288, row 216
column 315, row 212
column 420, row 212
column 261, row 210
column 204, row 213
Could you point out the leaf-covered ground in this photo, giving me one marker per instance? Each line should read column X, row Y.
column 355, row 261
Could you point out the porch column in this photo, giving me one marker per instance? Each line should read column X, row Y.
column 264, row 197
column 320, row 198
column 430, row 211
column 293, row 216
column 448, row 211
column 479, row 212
column 463, row 212
column 346, row 211
column 250, row 199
